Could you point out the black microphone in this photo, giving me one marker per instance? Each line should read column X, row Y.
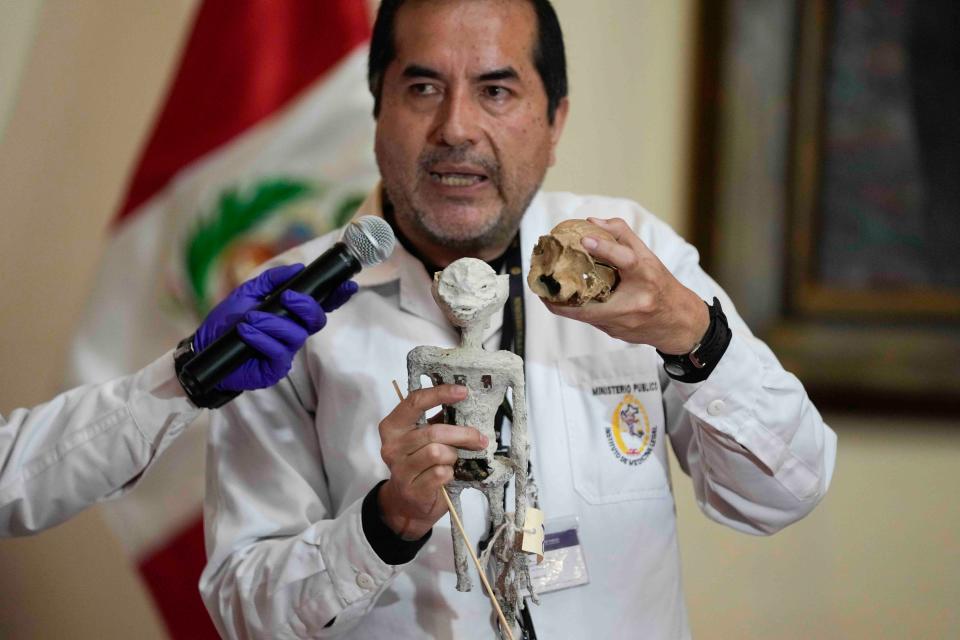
column 366, row 241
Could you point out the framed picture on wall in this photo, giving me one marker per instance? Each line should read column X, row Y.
column 827, row 191
column 876, row 173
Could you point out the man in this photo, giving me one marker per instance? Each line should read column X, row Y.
column 95, row 441
column 320, row 510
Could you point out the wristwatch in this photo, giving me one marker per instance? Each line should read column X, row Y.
column 183, row 353
column 677, row 365
column 214, row 398
column 697, row 364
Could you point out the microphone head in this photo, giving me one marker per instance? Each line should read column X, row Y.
column 370, row 239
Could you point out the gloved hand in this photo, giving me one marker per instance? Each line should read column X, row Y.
column 277, row 339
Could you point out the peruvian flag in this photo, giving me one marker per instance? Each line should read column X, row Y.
column 264, row 140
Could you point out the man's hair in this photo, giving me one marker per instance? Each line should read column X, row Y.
column 548, row 55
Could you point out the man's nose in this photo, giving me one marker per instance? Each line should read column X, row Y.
column 457, row 120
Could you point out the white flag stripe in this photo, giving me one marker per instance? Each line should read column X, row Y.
column 326, row 137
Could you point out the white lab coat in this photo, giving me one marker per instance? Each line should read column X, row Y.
column 85, row 445
column 288, row 467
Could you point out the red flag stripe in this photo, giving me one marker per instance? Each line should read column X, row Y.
column 243, row 60
column 172, row 573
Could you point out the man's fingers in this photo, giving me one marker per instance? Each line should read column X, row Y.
column 434, row 445
column 615, row 254
column 430, row 455
column 563, row 310
column 624, row 235
column 405, row 414
column 588, row 313
column 445, row 435
column 428, row 482
column 615, row 226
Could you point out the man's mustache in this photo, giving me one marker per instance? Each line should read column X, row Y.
column 460, row 155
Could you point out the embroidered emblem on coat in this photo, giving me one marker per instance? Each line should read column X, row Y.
column 630, row 434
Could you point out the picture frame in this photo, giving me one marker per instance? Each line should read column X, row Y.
column 803, row 152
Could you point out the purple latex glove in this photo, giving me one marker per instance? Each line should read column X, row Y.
column 277, row 339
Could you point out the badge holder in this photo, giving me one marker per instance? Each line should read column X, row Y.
column 563, row 565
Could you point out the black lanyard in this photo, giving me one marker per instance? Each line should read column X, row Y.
column 513, row 338
column 512, row 333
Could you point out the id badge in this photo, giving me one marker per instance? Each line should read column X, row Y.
column 563, row 564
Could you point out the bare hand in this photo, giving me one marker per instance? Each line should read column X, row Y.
column 649, row 306
column 421, row 460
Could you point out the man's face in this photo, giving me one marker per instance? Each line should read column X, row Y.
column 463, row 140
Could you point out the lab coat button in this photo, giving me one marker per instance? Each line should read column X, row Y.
column 716, row 407
column 364, row 581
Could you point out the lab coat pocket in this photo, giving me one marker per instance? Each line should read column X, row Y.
column 614, row 417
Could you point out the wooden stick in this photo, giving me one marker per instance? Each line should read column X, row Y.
column 456, row 519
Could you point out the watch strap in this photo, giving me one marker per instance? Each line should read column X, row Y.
column 699, row 362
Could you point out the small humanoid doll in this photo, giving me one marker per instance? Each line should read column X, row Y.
column 469, row 292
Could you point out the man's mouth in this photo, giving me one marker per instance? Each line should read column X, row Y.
column 457, row 179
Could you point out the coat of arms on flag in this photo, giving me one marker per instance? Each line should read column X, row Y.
column 265, row 140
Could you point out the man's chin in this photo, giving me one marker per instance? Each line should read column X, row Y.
column 459, row 237
column 461, row 204
column 459, row 217
column 463, row 229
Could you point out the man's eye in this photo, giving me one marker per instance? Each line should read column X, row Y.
column 423, row 89
column 496, row 92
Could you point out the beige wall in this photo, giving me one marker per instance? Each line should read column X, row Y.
column 16, row 35
column 879, row 559
column 90, row 80
column 629, row 94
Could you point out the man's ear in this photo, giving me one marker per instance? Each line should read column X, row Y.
column 559, row 120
